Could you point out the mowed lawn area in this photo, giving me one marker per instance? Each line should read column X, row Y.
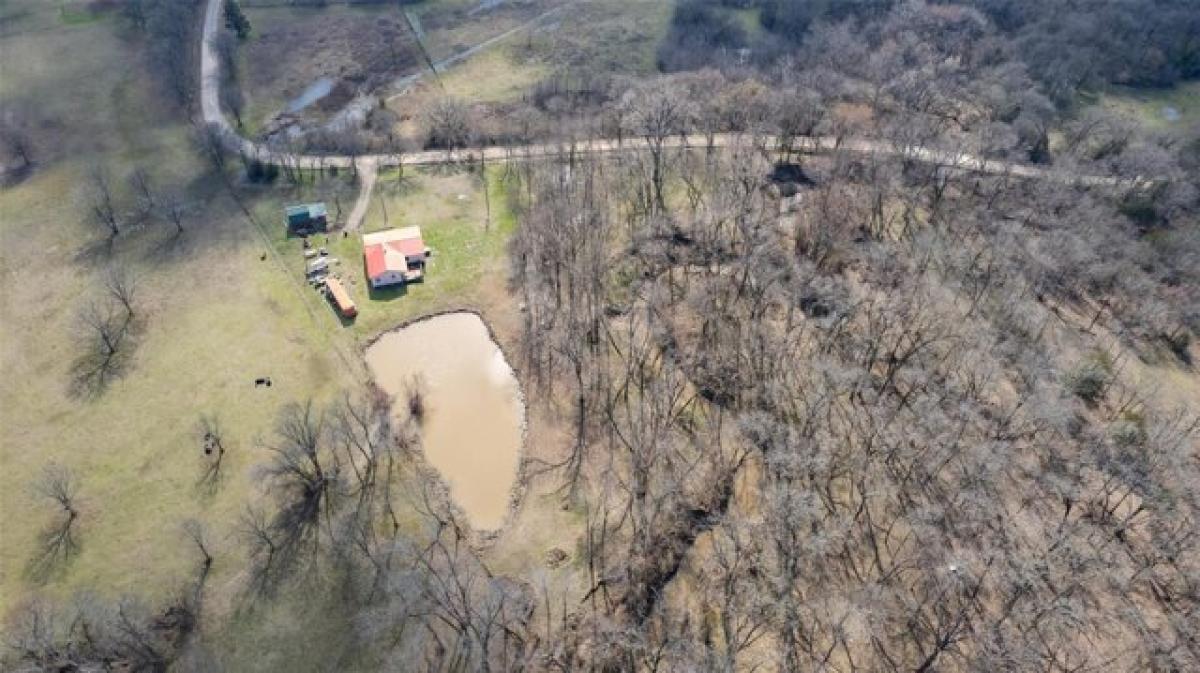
column 213, row 317
column 469, row 266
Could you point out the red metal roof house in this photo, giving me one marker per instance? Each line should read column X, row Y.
column 395, row 256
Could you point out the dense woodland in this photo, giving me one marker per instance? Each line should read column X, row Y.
column 844, row 413
column 879, row 412
column 1065, row 45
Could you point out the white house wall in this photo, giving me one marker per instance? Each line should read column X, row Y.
column 387, row 278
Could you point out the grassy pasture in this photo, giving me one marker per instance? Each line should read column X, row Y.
column 600, row 36
column 28, row 16
column 291, row 47
column 469, row 261
column 603, row 36
column 610, row 36
column 214, row 316
column 1149, row 106
column 497, row 75
column 451, row 26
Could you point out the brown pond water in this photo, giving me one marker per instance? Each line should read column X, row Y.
column 474, row 416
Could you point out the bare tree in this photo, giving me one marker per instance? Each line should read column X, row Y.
column 16, row 137
column 168, row 25
column 1033, row 126
column 234, row 100
column 212, row 141
column 798, row 114
column 91, row 634
column 225, row 44
column 212, row 437
column 143, row 192
column 256, row 529
column 135, row 12
column 304, row 476
column 175, row 209
column 198, row 535
column 475, row 617
column 415, row 393
column 139, row 635
column 121, row 285
column 447, row 124
column 101, row 203
column 655, row 112
column 105, row 335
column 744, row 611
column 57, row 543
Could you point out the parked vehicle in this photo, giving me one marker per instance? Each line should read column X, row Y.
column 341, row 298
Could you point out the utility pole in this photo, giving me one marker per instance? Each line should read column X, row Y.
column 487, row 196
column 414, row 24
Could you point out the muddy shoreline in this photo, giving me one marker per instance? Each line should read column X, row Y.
column 517, row 491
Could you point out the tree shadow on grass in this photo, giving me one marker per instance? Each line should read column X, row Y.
column 399, row 186
column 96, row 253
column 386, row 294
column 57, row 546
column 14, row 176
column 212, row 476
column 451, row 169
column 92, row 374
column 108, row 346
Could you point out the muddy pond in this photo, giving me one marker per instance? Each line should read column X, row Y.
column 474, row 416
column 315, row 92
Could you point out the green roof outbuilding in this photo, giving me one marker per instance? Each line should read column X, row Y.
column 306, row 215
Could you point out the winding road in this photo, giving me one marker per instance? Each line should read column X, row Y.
column 367, row 165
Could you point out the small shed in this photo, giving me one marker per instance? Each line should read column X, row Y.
column 306, row 218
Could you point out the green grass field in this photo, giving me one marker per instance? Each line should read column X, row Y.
column 215, row 318
column 609, row 36
column 606, row 36
column 469, row 260
column 498, row 75
column 1151, row 107
column 354, row 41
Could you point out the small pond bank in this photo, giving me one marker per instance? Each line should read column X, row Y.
column 474, row 415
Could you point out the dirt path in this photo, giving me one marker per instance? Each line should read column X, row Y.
column 368, row 170
column 212, row 114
